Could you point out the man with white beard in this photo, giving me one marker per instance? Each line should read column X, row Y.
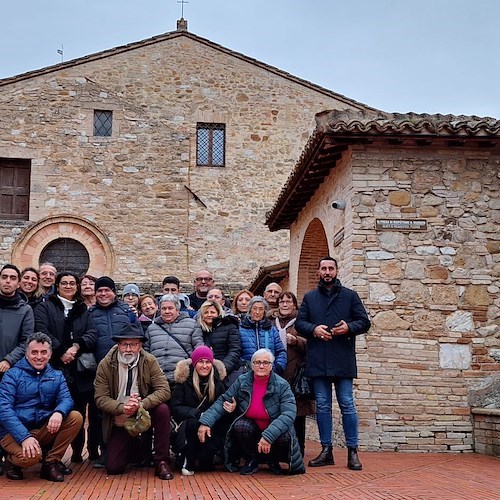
column 126, row 379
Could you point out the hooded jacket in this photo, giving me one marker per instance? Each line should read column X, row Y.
column 185, row 403
column 28, row 398
column 17, row 323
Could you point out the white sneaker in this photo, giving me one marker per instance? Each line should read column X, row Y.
column 185, row 471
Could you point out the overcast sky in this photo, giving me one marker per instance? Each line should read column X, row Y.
column 426, row 56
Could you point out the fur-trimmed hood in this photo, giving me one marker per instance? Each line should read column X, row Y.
column 184, row 367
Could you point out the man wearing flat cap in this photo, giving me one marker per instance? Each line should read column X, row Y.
column 126, row 379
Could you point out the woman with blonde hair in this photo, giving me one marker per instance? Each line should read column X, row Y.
column 221, row 333
column 198, row 383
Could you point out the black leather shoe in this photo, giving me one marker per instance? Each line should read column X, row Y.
column 251, row 467
column 353, row 462
column 52, row 472
column 275, row 468
column 12, row 471
column 65, row 469
column 324, row 458
column 163, row 471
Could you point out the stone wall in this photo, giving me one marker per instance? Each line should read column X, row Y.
column 486, row 431
column 433, row 296
column 141, row 187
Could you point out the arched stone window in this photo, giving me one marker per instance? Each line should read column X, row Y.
column 66, row 254
column 70, row 243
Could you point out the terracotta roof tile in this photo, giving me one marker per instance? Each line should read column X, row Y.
column 336, row 130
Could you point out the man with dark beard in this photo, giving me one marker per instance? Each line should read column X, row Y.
column 127, row 378
column 330, row 317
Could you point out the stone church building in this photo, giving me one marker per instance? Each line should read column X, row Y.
column 158, row 157
column 410, row 207
column 170, row 155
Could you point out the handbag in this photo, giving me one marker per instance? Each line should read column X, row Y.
column 301, row 385
column 86, row 362
column 136, row 424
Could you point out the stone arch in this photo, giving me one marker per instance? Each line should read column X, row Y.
column 314, row 246
column 31, row 243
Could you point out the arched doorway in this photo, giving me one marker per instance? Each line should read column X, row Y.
column 314, row 246
column 59, row 239
column 66, row 254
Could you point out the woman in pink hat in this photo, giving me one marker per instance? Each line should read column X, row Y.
column 198, row 383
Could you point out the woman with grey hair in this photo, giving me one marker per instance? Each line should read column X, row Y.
column 257, row 331
column 172, row 336
column 265, row 410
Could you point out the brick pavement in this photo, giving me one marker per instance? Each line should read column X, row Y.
column 385, row 476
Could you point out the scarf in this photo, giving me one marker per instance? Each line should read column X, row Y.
column 68, row 305
column 282, row 329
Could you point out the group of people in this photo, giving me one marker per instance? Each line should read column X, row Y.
column 211, row 377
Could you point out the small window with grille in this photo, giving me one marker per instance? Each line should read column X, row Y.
column 103, row 123
column 210, row 144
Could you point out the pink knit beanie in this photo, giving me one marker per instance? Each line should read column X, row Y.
column 202, row 352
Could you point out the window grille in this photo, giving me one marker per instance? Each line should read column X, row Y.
column 103, row 123
column 210, row 144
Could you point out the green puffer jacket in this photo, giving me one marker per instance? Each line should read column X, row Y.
column 280, row 405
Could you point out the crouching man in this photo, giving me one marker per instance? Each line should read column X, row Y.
column 36, row 418
column 127, row 378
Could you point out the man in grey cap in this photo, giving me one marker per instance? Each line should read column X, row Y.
column 130, row 296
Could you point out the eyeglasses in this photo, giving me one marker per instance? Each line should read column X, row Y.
column 203, row 279
column 68, row 283
column 127, row 345
column 262, row 363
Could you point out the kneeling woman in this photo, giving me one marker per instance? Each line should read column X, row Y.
column 198, row 383
column 263, row 429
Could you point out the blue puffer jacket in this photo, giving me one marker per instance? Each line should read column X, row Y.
column 257, row 335
column 29, row 397
column 108, row 321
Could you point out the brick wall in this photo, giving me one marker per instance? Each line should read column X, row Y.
column 433, row 296
column 487, row 431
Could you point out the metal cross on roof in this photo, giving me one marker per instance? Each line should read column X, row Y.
column 182, row 2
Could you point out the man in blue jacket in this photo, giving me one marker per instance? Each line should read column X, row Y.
column 36, row 413
column 330, row 317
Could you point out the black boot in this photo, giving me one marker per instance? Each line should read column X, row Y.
column 353, row 462
column 324, row 458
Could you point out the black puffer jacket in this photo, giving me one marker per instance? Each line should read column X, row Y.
column 185, row 403
column 224, row 339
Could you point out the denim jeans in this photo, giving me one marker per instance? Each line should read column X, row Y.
column 345, row 398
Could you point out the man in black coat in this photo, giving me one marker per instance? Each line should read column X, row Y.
column 330, row 317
